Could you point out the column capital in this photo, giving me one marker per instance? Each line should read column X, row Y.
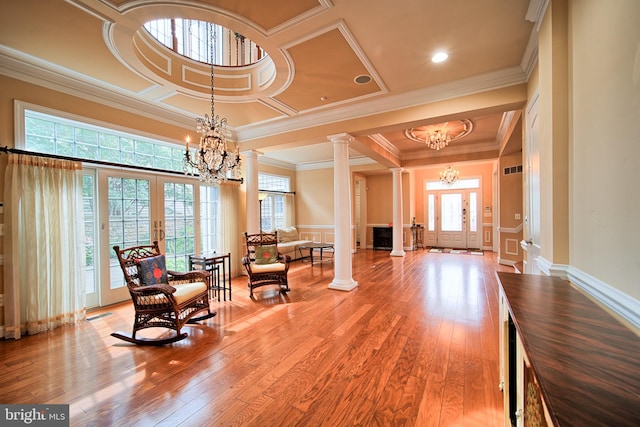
column 396, row 170
column 340, row 138
column 251, row 154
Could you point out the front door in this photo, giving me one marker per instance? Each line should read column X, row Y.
column 452, row 219
column 452, row 214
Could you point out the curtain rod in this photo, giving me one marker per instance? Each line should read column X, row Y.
column 6, row 150
column 276, row 192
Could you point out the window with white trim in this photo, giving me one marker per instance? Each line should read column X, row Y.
column 49, row 134
column 273, row 207
column 458, row 185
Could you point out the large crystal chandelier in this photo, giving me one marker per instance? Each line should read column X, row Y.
column 438, row 136
column 437, row 139
column 212, row 160
column 449, row 176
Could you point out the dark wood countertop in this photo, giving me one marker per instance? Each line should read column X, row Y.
column 587, row 363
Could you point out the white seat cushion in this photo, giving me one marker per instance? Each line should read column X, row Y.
column 186, row 291
column 267, row 268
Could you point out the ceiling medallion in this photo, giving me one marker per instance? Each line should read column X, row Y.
column 439, row 135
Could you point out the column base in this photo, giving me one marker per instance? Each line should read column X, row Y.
column 343, row 285
column 398, row 253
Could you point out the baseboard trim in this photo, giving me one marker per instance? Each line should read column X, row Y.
column 550, row 269
column 620, row 303
column 508, row 262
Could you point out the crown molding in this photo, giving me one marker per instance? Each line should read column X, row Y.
column 32, row 70
column 27, row 68
column 536, row 11
column 384, row 143
column 353, row 161
column 276, row 163
column 385, row 103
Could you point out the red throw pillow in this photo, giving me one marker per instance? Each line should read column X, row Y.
column 266, row 254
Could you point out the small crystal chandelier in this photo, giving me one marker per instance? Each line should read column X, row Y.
column 212, row 161
column 449, row 176
column 437, row 139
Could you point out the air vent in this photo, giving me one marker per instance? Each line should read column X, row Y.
column 512, row 169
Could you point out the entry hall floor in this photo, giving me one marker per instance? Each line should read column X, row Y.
column 415, row 344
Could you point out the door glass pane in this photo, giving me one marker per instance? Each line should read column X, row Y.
column 451, row 212
column 129, row 220
column 208, row 219
column 431, row 221
column 179, row 225
column 89, row 208
column 473, row 211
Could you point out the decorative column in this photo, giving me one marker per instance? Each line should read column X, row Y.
column 342, row 280
column 253, row 208
column 398, row 230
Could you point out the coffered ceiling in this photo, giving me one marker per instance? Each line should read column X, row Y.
column 307, row 89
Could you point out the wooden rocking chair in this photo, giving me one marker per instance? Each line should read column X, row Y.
column 161, row 298
column 264, row 265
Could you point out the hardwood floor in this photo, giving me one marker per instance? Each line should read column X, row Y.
column 415, row 344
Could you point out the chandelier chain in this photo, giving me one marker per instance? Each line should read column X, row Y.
column 212, row 161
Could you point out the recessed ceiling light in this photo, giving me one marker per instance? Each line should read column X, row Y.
column 439, row 57
column 362, row 79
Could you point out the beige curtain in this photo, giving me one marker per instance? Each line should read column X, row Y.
column 290, row 210
column 43, row 245
column 230, row 234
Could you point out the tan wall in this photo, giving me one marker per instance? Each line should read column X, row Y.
column 379, row 199
column 379, row 196
column 554, row 143
column 605, row 146
column 314, row 197
column 511, row 205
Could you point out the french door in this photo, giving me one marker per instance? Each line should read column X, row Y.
column 452, row 219
column 135, row 209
